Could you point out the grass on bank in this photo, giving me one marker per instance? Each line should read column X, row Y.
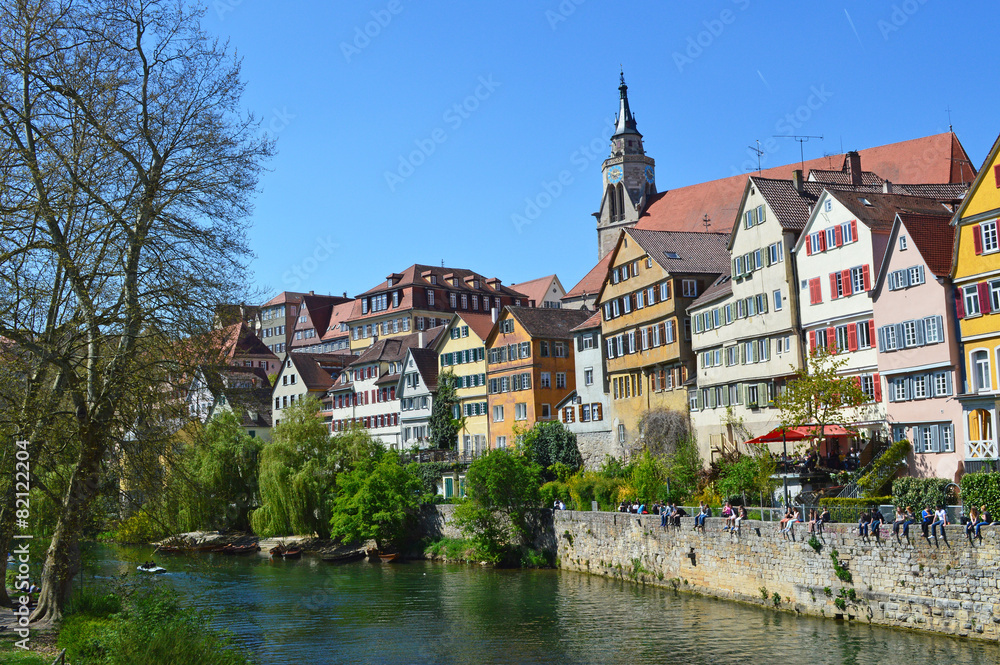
column 143, row 624
column 461, row 549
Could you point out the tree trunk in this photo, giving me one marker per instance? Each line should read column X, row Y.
column 62, row 561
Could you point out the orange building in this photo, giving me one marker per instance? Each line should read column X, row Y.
column 529, row 368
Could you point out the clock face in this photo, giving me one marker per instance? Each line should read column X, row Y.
column 649, row 174
column 614, row 175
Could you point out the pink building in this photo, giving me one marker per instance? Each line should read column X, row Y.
column 918, row 342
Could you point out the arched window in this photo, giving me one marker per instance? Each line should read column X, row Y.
column 612, row 204
column 981, row 371
column 621, row 201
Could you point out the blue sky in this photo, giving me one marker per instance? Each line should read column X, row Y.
column 411, row 133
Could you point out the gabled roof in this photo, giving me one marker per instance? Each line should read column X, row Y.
column 593, row 322
column 592, row 281
column 680, row 252
column 426, row 361
column 317, row 369
column 932, row 159
column 960, row 212
column 933, row 235
column 879, row 212
column 417, row 275
column 481, row 324
column 285, row 297
column 392, row 349
column 253, row 406
column 720, row 288
column 538, row 289
column 339, row 314
column 549, row 323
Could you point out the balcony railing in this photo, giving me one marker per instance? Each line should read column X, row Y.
column 435, row 455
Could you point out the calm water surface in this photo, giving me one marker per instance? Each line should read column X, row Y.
column 420, row 612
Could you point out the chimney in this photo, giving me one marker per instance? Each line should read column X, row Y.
column 887, row 187
column 345, row 294
column 797, row 180
column 493, row 314
column 312, row 293
column 853, row 164
column 420, row 339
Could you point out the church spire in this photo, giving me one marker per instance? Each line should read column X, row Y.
column 625, row 123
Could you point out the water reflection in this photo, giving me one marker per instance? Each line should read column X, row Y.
column 310, row 612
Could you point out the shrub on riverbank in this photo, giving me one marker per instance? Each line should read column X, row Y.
column 149, row 627
column 982, row 488
column 450, row 549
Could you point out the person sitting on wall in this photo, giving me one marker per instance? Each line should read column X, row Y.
column 970, row 526
column 863, row 521
column 728, row 516
column 664, row 515
column 704, row 512
column 878, row 519
column 911, row 518
column 940, row 519
column 898, row 521
column 784, row 520
column 795, row 517
column 926, row 517
column 740, row 516
column 676, row 515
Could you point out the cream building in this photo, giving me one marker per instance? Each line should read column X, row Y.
column 462, row 351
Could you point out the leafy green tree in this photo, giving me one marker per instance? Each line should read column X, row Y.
column 503, row 490
column 648, row 476
column 224, row 466
column 684, row 468
column 298, row 472
column 128, row 172
column 750, row 474
column 550, row 443
column 443, row 425
column 377, row 499
column 820, row 395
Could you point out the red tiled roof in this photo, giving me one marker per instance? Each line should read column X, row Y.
column 881, row 213
column 680, row 252
column 340, row 314
column 932, row 159
column 285, row 297
column 593, row 322
column 535, row 289
column 549, row 323
column 317, row 369
column 412, row 276
column 933, row 236
column 481, row 324
column 592, row 281
column 719, row 289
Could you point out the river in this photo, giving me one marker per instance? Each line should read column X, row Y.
column 308, row 612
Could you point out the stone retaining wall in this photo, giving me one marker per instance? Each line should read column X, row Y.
column 942, row 589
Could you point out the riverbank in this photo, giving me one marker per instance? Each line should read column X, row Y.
column 949, row 588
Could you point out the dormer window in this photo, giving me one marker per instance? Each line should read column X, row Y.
column 433, row 279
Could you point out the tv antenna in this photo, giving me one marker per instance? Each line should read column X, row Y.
column 706, row 221
column 801, row 140
column 758, row 152
column 949, row 119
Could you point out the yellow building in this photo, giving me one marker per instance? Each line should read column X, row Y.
column 652, row 278
column 462, row 351
column 976, row 278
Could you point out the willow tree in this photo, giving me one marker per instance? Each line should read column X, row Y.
column 127, row 169
column 298, row 472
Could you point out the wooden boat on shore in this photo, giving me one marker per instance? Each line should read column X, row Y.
column 277, row 550
column 346, row 557
column 386, row 557
column 292, row 553
column 240, row 549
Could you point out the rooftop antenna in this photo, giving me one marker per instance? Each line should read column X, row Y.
column 949, row 119
column 758, row 152
column 801, row 140
column 706, row 221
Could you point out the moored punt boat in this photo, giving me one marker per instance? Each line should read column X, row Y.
column 292, row 553
column 240, row 549
column 386, row 558
column 346, row 557
column 277, row 550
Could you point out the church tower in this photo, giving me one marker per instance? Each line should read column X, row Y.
column 628, row 178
